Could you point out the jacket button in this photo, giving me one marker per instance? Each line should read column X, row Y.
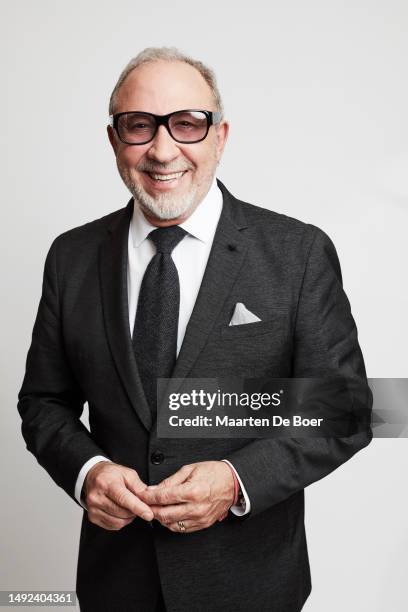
column 156, row 458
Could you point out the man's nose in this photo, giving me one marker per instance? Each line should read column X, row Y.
column 163, row 147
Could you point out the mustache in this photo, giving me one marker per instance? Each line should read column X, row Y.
column 164, row 168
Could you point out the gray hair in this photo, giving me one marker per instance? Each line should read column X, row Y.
column 169, row 54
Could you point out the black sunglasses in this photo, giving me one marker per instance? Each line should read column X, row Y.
column 185, row 126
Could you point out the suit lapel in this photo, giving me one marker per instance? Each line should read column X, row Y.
column 113, row 279
column 225, row 260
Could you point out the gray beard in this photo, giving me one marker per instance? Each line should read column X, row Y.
column 165, row 205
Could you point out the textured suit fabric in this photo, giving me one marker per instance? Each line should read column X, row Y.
column 288, row 274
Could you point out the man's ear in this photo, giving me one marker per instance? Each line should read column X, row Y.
column 222, row 132
column 112, row 138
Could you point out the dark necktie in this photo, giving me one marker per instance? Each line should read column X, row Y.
column 155, row 332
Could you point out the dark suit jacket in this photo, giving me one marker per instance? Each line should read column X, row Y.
column 287, row 273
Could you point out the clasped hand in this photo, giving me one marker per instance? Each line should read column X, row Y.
column 197, row 494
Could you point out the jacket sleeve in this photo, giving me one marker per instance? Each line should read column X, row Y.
column 325, row 344
column 50, row 401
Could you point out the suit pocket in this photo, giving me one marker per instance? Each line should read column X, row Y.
column 250, row 329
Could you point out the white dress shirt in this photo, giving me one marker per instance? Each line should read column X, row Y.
column 190, row 257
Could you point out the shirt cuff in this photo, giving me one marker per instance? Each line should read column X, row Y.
column 82, row 475
column 238, row 510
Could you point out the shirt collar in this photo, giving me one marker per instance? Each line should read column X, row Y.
column 201, row 223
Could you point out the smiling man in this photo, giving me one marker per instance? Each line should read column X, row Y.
column 171, row 167
column 185, row 281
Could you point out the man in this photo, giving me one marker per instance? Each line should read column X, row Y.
column 149, row 291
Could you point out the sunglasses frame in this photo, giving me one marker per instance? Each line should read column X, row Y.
column 213, row 118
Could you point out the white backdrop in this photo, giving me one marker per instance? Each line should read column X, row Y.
column 328, row 83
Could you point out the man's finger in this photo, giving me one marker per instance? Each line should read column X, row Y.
column 125, row 498
column 109, row 506
column 164, row 495
column 106, row 521
column 133, row 482
column 188, row 527
column 178, row 477
column 178, row 512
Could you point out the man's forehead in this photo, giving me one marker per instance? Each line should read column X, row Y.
column 162, row 87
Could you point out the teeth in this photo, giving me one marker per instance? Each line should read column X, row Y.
column 169, row 177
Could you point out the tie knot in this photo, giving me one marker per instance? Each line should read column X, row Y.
column 167, row 238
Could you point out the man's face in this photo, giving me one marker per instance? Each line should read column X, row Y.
column 162, row 87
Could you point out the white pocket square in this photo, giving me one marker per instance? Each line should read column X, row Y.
column 242, row 315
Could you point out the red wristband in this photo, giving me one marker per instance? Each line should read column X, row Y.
column 236, row 485
column 236, row 491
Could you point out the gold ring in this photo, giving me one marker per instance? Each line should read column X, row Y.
column 181, row 525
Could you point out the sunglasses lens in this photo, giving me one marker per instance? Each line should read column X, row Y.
column 136, row 128
column 188, row 126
